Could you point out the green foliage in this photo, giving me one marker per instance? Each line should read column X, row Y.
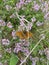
column 13, row 59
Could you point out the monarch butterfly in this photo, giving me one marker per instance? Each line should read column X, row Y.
column 24, row 34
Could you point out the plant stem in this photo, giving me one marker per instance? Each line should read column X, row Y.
column 31, row 51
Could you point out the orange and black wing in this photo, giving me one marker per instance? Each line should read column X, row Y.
column 23, row 35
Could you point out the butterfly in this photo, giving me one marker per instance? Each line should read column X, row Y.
column 24, row 34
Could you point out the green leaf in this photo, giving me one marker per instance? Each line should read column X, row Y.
column 13, row 60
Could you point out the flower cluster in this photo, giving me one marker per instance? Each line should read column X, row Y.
column 5, row 42
column 23, row 47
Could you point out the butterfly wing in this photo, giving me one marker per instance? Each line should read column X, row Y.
column 28, row 35
column 21, row 35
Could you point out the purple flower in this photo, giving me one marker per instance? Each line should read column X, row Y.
column 18, row 5
column 46, row 51
column 46, row 16
column 17, row 48
column 29, row 25
column 21, row 2
column 33, row 19
column 33, row 63
column 21, row 47
column 34, row 60
column 25, row 51
column 5, row 42
column 22, row 23
column 9, row 24
column 2, row 23
column 14, row 34
column 26, row 43
column 36, row 7
column 39, row 23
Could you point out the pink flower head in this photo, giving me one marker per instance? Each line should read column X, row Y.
column 29, row 26
column 46, row 51
column 2, row 23
column 36, row 7
column 17, row 48
column 39, row 23
column 46, row 16
column 14, row 34
column 5, row 42
column 21, row 2
column 9, row 24
column 22, row 23
column 33, row 19
column 25, row 51
column 18, row 5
